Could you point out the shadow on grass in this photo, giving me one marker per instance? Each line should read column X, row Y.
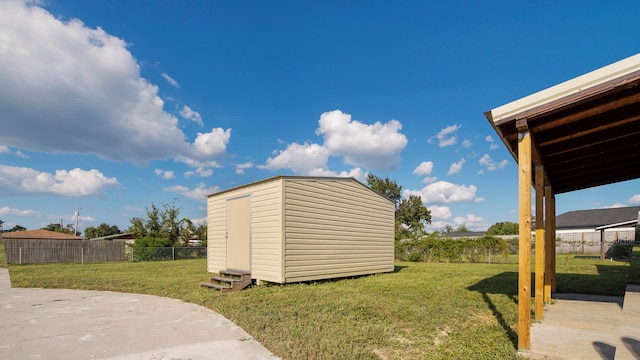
column 505, row 283
column 399, row 268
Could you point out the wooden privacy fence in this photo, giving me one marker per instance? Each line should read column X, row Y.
column 24, row 251
column 590, row 242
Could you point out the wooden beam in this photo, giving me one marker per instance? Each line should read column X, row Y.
column 578, row 134
column 524, row 249
column 594, row 111
column 549, row 243
column 540, row 268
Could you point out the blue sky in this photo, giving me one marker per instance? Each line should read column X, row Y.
column 113, row 105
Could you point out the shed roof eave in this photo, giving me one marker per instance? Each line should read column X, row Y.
column 568, row 88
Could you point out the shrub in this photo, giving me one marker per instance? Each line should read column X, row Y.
column 436, row 248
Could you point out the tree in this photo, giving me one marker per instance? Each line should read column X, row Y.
column 462, row 229
column 103, row 229
column 58, row 228
column 162, row 227
column 16, row 228
column 387, row 188
column 201, row 232
column 412, row 214
column 504, row 228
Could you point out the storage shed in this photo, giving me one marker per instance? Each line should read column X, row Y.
column 290, row 228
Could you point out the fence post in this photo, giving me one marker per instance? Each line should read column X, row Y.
column 173, row 253
column 20, row 255
column 82, row 255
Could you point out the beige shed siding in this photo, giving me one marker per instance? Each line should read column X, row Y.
column 216, row 234
column 335, row 228
column 266, row 229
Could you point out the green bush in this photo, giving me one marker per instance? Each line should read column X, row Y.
column 150, row 248
column 437, row 248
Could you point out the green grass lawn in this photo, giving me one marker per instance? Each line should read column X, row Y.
column 420, row 311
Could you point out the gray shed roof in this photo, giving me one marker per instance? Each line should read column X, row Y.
column 584, row 219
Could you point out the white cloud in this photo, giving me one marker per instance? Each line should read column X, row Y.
column 492, row 144
column 446, row 137
column 616, row 205
column 302, row 159
column 456, row 167
column 196, row 163
column 490, row 164
column 201, row 172
column 5, row 150
column 72, row 183
column 374, row 147
column 7, row 211
column 355, row 173
column 430, row 179
column 62, row 78
column 440, row 212
column 240, row 168
column 198, row 193
column 425, row 168
column 436, row 225
column 466, row 143
column 204, row 172
column 473, row 222
column 444, row 192
column 189, row 114
column 170, row 80
column 165, row 174
column 212, row 143
column 635, row 199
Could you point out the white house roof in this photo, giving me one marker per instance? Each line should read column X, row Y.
column 574, row 86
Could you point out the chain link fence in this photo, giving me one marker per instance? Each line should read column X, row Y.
column 77, row 251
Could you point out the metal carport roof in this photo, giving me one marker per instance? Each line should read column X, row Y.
column 585, row 131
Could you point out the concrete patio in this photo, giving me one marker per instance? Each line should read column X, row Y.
column 588, row 327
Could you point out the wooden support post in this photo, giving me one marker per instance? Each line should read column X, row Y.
column 602, row 244
column 524, row 249
column 539, row 270
column 549, row 243
column 553, row 247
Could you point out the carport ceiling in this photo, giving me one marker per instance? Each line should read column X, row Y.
column 585, row 132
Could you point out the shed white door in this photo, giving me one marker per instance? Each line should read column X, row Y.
column 239, row 234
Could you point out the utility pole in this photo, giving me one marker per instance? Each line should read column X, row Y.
column 77, row 215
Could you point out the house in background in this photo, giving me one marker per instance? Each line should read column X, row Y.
column 290, row 229
column 594, row 231
column 39, row 235
column 126, row 237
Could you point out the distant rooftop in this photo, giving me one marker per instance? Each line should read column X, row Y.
column 39, row 234
column 582, row 219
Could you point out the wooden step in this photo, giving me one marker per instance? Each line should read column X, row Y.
column 229, row 280
column 216, row 286
column 235, row 274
